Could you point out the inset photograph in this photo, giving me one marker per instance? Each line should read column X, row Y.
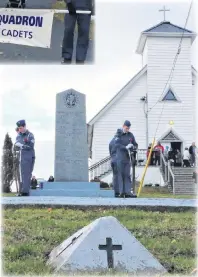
column 54, row 32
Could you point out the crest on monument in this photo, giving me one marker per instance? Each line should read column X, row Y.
column 71, row 99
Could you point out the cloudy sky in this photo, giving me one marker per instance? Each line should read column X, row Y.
column 28, row 92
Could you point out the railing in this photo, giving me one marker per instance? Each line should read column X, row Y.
column 164, row 167
column 171, row 177
column 141, row 157
column 100, row 168
column 104, row 166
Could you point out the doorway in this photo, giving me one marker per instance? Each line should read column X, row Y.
column 176, row 146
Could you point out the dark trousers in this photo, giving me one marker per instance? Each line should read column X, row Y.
column 83, row 22
column 17, row 177
column 115, row 177
column 25, row 169
column 193, row 159
column 124, row 178
column 186, row 163
column 157, row 160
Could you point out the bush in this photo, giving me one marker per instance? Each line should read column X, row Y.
column 7, row 175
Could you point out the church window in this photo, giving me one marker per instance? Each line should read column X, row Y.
column 169, row 96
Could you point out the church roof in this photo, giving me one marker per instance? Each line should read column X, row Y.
column 166, row 26
column 163, row 29
column 118, row 95
column 122, row 91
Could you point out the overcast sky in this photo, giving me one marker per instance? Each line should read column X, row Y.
column 28, row 92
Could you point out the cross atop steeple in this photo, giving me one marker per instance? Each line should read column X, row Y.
column 164, row 10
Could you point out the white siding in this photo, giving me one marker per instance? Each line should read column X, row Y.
column 161, row 54
column 195, row 113
column 128, row 107
column 145, row 55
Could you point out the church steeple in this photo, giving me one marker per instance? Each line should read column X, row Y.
column 163, row 29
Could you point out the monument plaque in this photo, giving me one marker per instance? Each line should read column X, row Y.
column 71, row 147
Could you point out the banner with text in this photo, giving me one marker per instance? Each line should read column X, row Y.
column 26, row 27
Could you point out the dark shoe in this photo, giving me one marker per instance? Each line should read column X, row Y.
column 122, row 195
column 66, row 61
column 25, row 194
column 117, row 195
column 131, row 196
column 80, row 62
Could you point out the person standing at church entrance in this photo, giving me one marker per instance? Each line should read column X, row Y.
column 158, row 150
column 125, row 142
column 186, row 158
column 178, row 158
column 83, row 22
column 25, row 142
column 193, row 153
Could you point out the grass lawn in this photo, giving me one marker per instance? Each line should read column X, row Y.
column 161, row 192
column 60, row 5
column 31, row 233
column 147, row 192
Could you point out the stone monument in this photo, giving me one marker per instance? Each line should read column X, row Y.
column 71, row 147
column 71, row 170
column 106, row 244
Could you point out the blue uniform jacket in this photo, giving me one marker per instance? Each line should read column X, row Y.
column 121, row 141
column 112, row 150
column 26, row 143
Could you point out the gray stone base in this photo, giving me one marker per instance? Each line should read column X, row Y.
column 154, row 204
column 72, row 189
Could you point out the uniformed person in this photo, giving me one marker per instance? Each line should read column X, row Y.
column 124, row 141
column 25, row 142
column 16, row 152
column 112, row 152
column 83, row 22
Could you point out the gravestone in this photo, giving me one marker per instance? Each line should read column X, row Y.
column 106, row 244
column 71, row 147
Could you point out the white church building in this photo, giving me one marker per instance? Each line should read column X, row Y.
column 147, row 96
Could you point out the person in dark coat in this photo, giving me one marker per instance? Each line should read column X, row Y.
column 125, row 141
column 178, row 158
column 51, row 179
column 193, row 152
column 84, row 22
column 171, row 157
column 25, row 141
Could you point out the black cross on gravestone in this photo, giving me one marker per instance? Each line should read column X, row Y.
column 109, row 247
